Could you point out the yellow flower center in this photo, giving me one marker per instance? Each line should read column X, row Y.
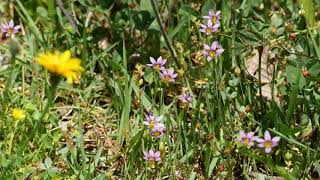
column 156, row 67
column 152, row 124
column 212, row 53
column 246, row 140
column 157, row 134
column 167, row 78
column 214, row 19
column 268, row 144
column 208, row 30
column 10, row 31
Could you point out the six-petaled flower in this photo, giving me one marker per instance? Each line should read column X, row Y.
column 9, row 29
column 212, row 51
column 168, row 75
column 209, row 27
column 157, row 64
column 268, row 142
column 151, row 156
column 214, row 17
column 247, row 138
column 151, row 121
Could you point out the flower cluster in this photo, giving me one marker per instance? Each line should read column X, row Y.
column 166, row 75
column 213, row 24
column 267, row 142
column 9, row 29
column 154, row 125
column 156, row 129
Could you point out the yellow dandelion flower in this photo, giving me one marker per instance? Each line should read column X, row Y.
column 18, row 114
column 61, row 64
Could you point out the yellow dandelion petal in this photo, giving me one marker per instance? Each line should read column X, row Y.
column 61, row 64
column 18, row 114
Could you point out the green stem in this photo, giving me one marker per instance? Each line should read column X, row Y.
column 50, row 92
column 293, row 98
column 163, row 31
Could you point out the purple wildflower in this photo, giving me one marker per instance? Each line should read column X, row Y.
column 214, row 51
column 151, row 121
column 157, row 131
column 214, row 17
column 268, row 143
column 247, row 139
column 209, row 28
column 168, row 75
column 157, row 65
column 151, row 156
column 185, row 98
column 9, row 28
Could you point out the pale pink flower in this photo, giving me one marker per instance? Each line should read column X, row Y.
column 9, row 28
column 268, row 142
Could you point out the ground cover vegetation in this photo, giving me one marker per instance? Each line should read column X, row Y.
column 172, row 89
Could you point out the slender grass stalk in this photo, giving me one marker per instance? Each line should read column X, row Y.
column 293, row 99
column 163, row 31
column 50, row 91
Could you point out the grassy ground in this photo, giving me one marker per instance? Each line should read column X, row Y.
column 266, row 79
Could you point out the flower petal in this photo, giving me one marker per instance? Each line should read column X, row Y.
column 209, row 23
column 250, row 135
column 267, row 135
column 261, row 145
column 206, row 47
column 214, row 45
column 152, row 60
column 159, row 60
column 157, row 154
column 242, row 134
column 259, row 140
column 267, row 150
column 11, row 24
column 151, row 152
column 219, row 51
column 276, row 139
column 16, row 28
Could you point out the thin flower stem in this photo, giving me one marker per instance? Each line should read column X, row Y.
column 163, row 32
column 50, row 92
